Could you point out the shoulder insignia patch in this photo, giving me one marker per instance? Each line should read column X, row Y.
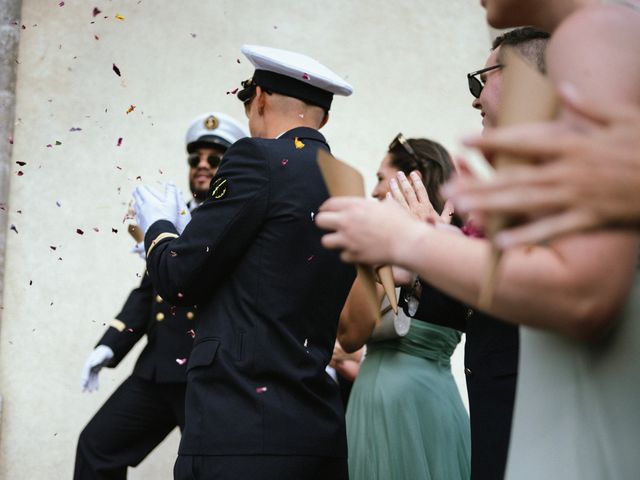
column 219, row 188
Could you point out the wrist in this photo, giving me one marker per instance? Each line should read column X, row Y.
column 405, row 253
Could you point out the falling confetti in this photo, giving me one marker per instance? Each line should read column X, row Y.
column 75, row 129
column 238, row 60
column 96, row 11
column 79, row 232
column 181, row 361
column 13, row 227
column 130, row 330
column 58, row 204
column 96, row 229
column 22, row 164
column 131, row 109
column 53, row 248
column 119, row 17
column 261, row 389
column 10, row 140
column 232, row 92
column 312, row 216
column 180, row 295
column 49, row 145
column 173, row 254
column 61, row 4
column 191, row 333
column 299, row 145
column 193, row 35
column 117, row 71
column 306, row 77
column 19, row 173
column 310, row 258
column 96, row 37
column 19, row 211
column 284, row 161
column 118, row 144
column 58, row 142
column 114, row 230
column 30, row 282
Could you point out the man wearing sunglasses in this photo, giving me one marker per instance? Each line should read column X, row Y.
column 486, row 84
column 149, row 404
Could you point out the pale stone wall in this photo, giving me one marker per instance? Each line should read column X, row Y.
column 406, row 59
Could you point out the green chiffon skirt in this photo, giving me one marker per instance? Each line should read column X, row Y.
column 405, row 418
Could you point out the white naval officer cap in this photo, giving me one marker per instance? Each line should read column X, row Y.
column 292, row 74
column 214, row 128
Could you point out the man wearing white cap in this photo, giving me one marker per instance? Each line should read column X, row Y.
column 259, row 404
column 150, row 403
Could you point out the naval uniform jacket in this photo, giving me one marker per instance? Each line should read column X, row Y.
column 491, row 366
column 169, row 340
column 269, row 298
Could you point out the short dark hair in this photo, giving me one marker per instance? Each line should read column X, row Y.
column 432, row 161
column 528, row 41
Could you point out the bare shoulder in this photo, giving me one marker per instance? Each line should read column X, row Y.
column 597, row 49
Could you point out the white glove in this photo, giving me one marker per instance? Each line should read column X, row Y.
column 184, row 215
column 138, row 249
column 151, row 207
column 97, row 359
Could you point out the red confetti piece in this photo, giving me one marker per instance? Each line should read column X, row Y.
column 79, row 232
column 192, row 333
column 96, row 229
column 233, row 92
column 261, row 389
column 96, row 37
column 53, row 248
column 116, row 70
column 61, row 4
column 49, row 145
column 118, row 144
column 96, row 11
column 114, row 230
column 22, row 164
column 284, row 161
column 10, row 140
column 13, row 227
column 181, row 361
column 306, row 77
column 131, row 109
column 20, row 173
column 238, row 60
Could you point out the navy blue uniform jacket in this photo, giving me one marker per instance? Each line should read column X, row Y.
column 268, row 299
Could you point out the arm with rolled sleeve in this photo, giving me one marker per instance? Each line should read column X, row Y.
column 218, row 234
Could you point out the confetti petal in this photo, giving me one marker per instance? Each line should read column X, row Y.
column 13, row 227
column 181, row 361
column 96, row 37
column 58, row 204
column 192, row 333
column 232, row 92
column 79, row 231
column 96, row 11
column 61, row 4
column 306, row 76
column 299, row 145
column 118, row 144
column 19, row 173
column 114, row 230
column 96, row 229
column 58, row 142
column 75, row 129
column 261, row 389
column 117, row 71
column 53, row 248
column 284, row 161
column 193, row 35
column 131, row 109
column 119, row 17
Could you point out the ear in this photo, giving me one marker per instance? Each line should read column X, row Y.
column 325, row 119
column 261, row 100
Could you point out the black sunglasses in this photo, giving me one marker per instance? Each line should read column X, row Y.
column 476, row 85
column 213, row 159
column 401, row 141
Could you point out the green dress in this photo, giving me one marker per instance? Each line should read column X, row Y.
column 405, row 418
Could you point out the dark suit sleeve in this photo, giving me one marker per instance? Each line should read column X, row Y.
column 438, row 308
column 219, row 233
column 131, row 323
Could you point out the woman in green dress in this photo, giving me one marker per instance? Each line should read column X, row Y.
column 405, row 417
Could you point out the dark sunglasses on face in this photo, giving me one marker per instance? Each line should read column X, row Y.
column 401, row 141
column 213, row 159
column 476, row 85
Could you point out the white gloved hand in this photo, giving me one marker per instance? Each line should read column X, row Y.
column 184, row 215
column 151, row 207
column 97, row 359
column 138, row 249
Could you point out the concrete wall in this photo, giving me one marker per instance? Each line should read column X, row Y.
column 406, row 59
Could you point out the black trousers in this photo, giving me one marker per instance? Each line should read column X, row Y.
column 259, row 467
column 131, row 423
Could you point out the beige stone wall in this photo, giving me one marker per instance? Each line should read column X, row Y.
column 406, row 59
